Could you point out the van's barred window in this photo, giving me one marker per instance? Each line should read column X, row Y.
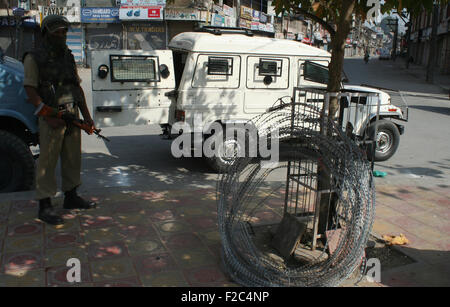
column 133, row 68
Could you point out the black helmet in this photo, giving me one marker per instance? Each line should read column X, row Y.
column 51, row 23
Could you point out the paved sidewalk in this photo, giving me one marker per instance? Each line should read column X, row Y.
column 170, row 238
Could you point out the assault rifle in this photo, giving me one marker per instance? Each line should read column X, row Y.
column 70, row 119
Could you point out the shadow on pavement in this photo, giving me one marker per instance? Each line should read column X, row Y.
column 432, row 268
column 387, row 74
column 440, row 110
column 140, row 161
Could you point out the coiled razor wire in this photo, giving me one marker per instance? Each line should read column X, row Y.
column 350, row 180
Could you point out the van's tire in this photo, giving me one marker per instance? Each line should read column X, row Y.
column 16, row 164
column 387, row 140
column 230, row 145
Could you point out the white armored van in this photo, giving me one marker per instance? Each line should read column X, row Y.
column 217, row 77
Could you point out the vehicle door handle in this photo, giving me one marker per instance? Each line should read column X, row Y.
column 173, row 93
column 109, row 109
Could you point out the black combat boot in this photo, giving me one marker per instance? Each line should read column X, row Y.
column 47, row 214
column 73, row 201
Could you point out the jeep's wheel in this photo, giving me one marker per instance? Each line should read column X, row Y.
column 387, row 140
column 228, row 148
column 16, row 164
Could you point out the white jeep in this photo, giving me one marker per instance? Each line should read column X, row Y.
column 223, row 77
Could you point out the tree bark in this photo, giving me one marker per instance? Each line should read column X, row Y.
column 328, row 200
column 344, row 25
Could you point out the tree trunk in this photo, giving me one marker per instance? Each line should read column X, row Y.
column 338, row 51
column 328, row 200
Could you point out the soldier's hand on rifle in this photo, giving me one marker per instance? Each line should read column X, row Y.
column 46, row 111
column 90, row 124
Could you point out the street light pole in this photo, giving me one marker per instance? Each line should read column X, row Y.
column 433, row 44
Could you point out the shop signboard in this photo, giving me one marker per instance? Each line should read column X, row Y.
column 217, row 20
column 246, row 13
column 141, row 13
column 182, row 14
column 244, row 23
column 72, row 13
column 263, row 18
column 142, row 2
column 228, row 11
column 99, row 15
column 256, row 15
column 230, row 21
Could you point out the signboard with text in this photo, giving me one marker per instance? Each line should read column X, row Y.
column 246, row 13
column 141, row 13
column 183, row 14
column 72, row 13
column 142, row 2
column 99, row 14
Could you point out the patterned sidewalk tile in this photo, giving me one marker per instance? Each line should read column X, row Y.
column 22, row 261
column 151, row 264
column 92, row 220
column 182, row 241
column 63, row 239
column 132, row 218
column 59, row 256
column 433, row 219
column 383, row 211
column 162, row 215
column 131, row 232
column 202, row 222
column 205, row 276
column 98, row 251
column 102, row 235
column 71, row 224
column 165, row 279
column 5, row 207
column 171, row 227
column 25, row 229
column 2, row 230
column 112, row 269
column 14, row 244
column 145, row 246
column 210, row 237
column 193, row 258
column 23, row 278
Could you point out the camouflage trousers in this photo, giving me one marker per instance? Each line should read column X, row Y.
column 55, row 143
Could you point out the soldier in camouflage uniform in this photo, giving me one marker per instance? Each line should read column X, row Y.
column 52, row 83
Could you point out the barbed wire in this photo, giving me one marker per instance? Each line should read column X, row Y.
column 249, row 187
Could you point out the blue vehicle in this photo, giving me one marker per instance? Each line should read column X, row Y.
column 18, row 129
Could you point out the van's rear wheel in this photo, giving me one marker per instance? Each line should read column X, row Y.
column 387, row 140
column 16, row 164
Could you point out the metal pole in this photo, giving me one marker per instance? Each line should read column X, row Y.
column 238, row 13
column 433, row 44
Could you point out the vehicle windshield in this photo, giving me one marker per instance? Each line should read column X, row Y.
column 319, row 73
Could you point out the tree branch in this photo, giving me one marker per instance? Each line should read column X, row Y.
column 325, row 24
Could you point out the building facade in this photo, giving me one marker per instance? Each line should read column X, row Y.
column 126, row 24
column 420, row 39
